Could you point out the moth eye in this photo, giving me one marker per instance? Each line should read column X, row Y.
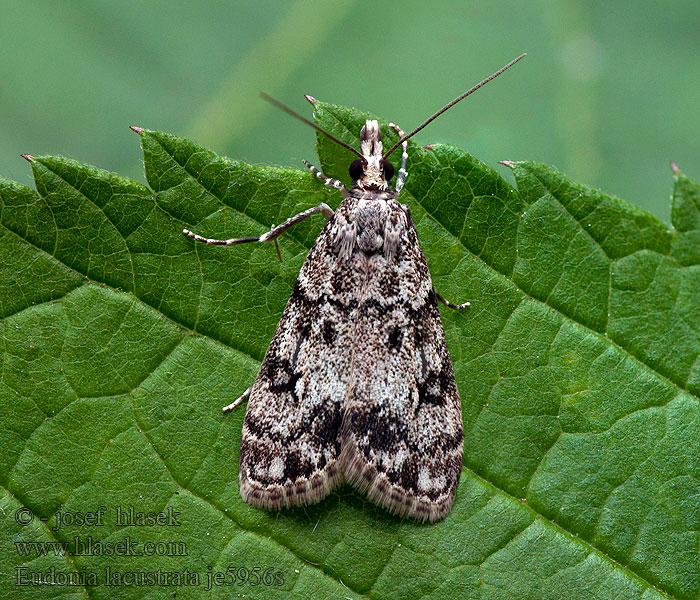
column 388, row 169
column 357, row 168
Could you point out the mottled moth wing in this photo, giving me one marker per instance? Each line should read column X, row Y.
column 290, row 443
column 402, row 430
column 357, row 383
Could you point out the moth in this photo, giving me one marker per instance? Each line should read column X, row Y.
column 357, row 384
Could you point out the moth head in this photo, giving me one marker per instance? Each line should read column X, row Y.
column 371, row 172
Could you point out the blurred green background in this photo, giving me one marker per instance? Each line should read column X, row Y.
column 609, row 92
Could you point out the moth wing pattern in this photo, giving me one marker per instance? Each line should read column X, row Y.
column 290, row 444
column 402, row 438
column 357, row 384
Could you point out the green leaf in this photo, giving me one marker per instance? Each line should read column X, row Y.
column 122, row 339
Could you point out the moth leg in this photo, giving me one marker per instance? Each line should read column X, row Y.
column 274, row 233
column 277, row 247
column 334, row 183
column 401, row 177
column 238, row 400
column 451, row 304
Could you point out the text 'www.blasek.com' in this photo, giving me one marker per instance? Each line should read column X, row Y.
column 108, row 544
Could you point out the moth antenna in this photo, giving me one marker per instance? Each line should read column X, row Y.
column 288, row 110
column 451, row 104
